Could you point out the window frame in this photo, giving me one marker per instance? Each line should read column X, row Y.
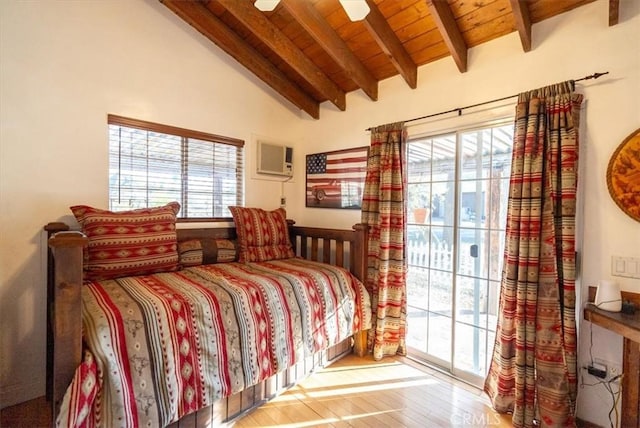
column 184, row 133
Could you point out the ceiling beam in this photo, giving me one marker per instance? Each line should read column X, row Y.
column 199, row 17
column 614, row 11
column 446, row 23
column 380, row 30
column 310, row 19
column 259, row 24
column 521, row 16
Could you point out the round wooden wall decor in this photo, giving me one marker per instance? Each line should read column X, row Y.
column 623, row 175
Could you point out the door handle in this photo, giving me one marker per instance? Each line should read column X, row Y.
column 473, row 250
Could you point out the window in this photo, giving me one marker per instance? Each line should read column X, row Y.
column 152, row 164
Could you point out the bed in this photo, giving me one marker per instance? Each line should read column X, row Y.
column 204, row 339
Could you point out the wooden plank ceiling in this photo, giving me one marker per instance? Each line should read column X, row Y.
column 310, row 52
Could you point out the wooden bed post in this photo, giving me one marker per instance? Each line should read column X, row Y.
column 359, row 262
column 65, row 313
column 360, row 251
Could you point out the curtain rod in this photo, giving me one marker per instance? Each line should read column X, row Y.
column 459, row 109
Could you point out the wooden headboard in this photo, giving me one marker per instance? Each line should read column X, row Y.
column 345, row 248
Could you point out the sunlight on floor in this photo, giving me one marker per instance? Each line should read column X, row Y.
column 385, row 381
column 324, row 422
column 366, row 393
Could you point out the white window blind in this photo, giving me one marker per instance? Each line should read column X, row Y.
column 152, row 164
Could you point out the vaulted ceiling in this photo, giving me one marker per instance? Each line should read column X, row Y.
column 310, row 52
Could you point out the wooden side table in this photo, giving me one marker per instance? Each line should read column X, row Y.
column 628, row 326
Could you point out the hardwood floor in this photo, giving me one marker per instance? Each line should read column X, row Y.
column 31, row 414
column 360, row 392
column 352, row 392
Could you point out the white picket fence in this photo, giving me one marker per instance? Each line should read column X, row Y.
column 439, row 255
column 477, row 307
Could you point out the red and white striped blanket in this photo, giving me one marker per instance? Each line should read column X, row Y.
column 164, row 345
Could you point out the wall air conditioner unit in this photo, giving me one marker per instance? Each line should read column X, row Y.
column 275, row 159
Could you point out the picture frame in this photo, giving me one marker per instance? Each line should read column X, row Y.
column 336, row 179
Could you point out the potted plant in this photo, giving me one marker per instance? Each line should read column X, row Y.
column 420, row 214
column 419, row 204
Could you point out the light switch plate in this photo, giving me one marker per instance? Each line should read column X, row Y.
column 628, row 267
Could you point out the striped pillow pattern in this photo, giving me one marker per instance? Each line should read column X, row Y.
column 136, row 242
column 262, row 235
column 226, row 251
column 190, row 253
column 196, row 252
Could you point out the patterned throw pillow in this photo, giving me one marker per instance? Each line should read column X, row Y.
column 262, row 235
column 195, row 252
column 225, row 251
column 190, row 253
column 124, row 243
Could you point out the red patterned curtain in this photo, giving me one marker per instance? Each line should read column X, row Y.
column 533, row 370
column 383, row 209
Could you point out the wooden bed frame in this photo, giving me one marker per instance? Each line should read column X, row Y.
column 345, row 248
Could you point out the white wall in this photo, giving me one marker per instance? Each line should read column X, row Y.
column 65, row 65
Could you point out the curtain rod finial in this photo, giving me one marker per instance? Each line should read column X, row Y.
column 596, row 75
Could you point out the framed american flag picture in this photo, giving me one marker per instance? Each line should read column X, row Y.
column 336, row 179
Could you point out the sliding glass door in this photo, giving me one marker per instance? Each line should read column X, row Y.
column 456, row 203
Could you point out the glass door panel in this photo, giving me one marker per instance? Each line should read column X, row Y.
column 454, row 249
column 482, row 201
column 430, row 238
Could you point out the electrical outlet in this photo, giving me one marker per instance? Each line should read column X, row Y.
column 595, row 370
column 283, row 202
column 612, row 369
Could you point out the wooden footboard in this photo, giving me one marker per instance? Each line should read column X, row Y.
column 345, row 248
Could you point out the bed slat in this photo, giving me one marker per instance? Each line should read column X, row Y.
column 339, row 254
column 314, row 249
column 326, row 251
column 352, row 241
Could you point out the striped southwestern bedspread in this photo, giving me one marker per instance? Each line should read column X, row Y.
column 164, row 345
